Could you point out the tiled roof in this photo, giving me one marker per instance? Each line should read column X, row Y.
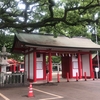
column 60, row 41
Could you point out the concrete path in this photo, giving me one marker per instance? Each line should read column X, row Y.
column 81, row 90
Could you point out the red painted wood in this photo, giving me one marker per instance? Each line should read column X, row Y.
column 28, row 66
column 44, row 66
column 34, row 66
column 79, row 66
column 70, row 67
column 91, row 68
column 50, row 66
column 11, row 68
column 64, row 52
column 65, row 66
column 24, row 63
column 14, row 68
column 56, row 51
column 18, row 67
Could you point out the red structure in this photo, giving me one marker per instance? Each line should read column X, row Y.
column 15, row 66
column 75, row 55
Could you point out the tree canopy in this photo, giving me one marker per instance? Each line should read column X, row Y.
column 51, row 16
column 67, row 17
column 7, row 40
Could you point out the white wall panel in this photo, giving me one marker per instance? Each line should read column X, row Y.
column 74, row 58
column 39, row 67
column 26, row 64
column 74, row 72
column 39, row 73
column 40, row 58
column 74, row 65
column 31, row 65
column 85, row 64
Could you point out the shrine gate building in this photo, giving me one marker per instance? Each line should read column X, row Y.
column 75, row 54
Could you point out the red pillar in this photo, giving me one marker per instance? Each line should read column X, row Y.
column 50, row 66
column 70, row 66
column 18, row 67
column 79, row 66
column 11, row 68
column 28, row 66
column 44, row 66
column 34, row 66
column 14, row 68
column 24, row 62
column 91, row 68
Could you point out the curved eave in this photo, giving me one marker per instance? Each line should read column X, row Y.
column 29, row 41
column 15, row 39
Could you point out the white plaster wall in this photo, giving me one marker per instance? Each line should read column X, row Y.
column 26, row 64
column 74, row 65
column 39, row 69
column 74, row 58
column 39, row 72
column 40, row 58
column 85, row 64
column 74, row 72
column 31, row 65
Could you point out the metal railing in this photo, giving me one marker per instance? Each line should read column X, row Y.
column 13, row 79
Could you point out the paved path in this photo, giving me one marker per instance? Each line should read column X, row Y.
column 81, row 90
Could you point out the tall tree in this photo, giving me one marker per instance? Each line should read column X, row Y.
column 7, row 40
column 52, row 16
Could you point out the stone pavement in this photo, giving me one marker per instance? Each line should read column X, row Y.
column 81, row 90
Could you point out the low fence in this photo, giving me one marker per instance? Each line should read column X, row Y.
column 13, row 79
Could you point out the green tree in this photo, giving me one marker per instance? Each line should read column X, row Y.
column 59, row 17
column 56, row 59
column 52, row 16
column 7, row 40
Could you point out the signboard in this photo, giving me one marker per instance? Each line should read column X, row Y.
column 96, row 69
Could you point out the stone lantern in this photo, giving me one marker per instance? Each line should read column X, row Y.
column 3, row 59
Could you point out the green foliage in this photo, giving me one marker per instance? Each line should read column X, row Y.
column 58, row 17
column 7, row 40
column 28, row 15
column 56, row 59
